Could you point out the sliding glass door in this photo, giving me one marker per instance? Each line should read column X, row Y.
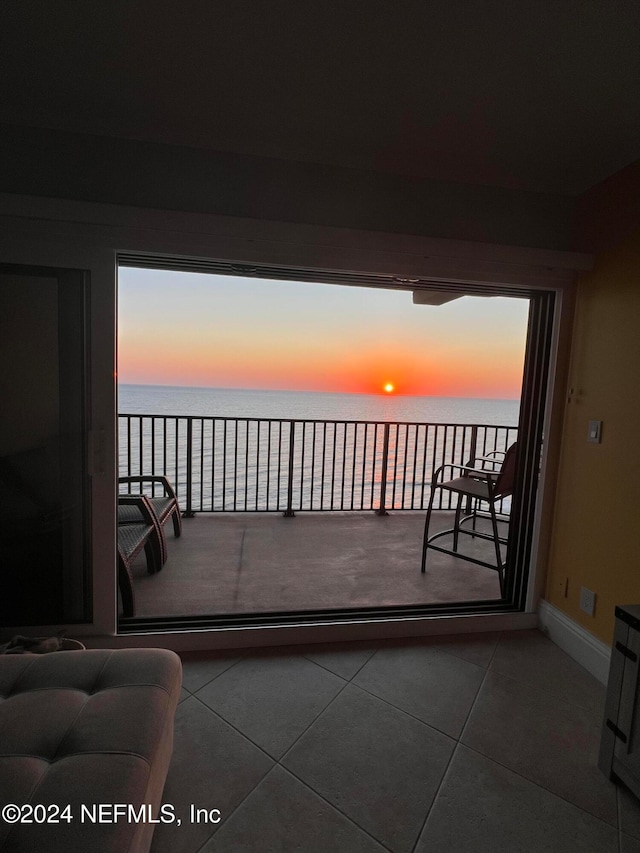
column 44, row 494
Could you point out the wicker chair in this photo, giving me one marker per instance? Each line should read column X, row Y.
column 132, row 538
column 164, row 506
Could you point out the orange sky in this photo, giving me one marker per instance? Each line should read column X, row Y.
column 214, row 331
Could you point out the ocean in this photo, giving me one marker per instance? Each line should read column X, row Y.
column 252, row 450
column 312, row 405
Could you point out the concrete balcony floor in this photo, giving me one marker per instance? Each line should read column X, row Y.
column 257, row 562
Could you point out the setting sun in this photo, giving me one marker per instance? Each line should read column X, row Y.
column 389, row 388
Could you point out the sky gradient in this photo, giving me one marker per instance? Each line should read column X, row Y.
column 216, row 331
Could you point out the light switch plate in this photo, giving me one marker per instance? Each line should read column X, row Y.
column 594, row 434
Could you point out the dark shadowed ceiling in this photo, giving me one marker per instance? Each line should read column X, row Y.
column 539, row 95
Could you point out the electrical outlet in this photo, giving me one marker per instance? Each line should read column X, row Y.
column 587, row 601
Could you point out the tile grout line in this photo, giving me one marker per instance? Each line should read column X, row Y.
column 235, row 729
column 204, row 843
column 217, row 675
column 277, row 763
column 595, row 723
column 543, row 689
column 413, row 716
column 401, row 711
column 244, row 655
column 260, row 780
column 510, row 769
column 306, row 784
column 537, row 785
column 349, row 680
column 334, row 807
column 315, row 720
column 246, row 737
column 404, row 712
column 480, row 686
column 435, row 797
column 458, row 744
column 347, row 683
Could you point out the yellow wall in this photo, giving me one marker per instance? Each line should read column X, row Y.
column 596, row 530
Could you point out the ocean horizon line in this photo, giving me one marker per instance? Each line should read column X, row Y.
column 380, row 394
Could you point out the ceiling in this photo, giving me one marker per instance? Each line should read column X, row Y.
column 539, row 95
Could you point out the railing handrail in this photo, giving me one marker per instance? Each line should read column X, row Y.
column 252, row 419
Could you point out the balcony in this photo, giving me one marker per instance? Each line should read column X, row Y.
column 294, row 515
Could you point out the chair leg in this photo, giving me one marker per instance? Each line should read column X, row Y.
column 125, row 583
column 456, row 524
column 496, row 542
column 427, row 522
column 153, row 552
column 161, row 545
column 177, row 522
column 158, row 545
column 474, row 518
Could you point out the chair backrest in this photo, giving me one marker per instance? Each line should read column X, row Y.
column 507, row 475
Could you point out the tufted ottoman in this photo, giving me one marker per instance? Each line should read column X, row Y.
column 80, row 729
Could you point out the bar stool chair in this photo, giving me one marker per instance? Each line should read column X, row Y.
column 481, row 482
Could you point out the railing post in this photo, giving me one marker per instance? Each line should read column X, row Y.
column 188, row 513
column 385, row 461
column 474, row 442
column 474, row 450
column 289, row 513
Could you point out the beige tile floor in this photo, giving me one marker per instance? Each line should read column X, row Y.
column 484, row 742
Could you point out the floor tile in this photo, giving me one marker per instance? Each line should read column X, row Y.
column 282, row 814
column 629, row 844
column 531, row 657
column 345, row 659
column 628, row 811
column 485, row 808
column 272, row 699
column 476, row 648
column 550, row 742
column 198, row 668
column 377, row 765
column 212, row 767
column 437, row 688
column 364, row 769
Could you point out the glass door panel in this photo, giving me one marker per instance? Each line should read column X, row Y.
column 44, row 512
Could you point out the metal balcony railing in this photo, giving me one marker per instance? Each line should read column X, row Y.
column 266, row 465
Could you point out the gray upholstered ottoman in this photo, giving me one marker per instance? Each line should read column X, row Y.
column 80, row 729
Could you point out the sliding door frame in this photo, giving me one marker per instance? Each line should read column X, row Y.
column 531, row 429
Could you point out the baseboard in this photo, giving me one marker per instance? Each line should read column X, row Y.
column 576, row 641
